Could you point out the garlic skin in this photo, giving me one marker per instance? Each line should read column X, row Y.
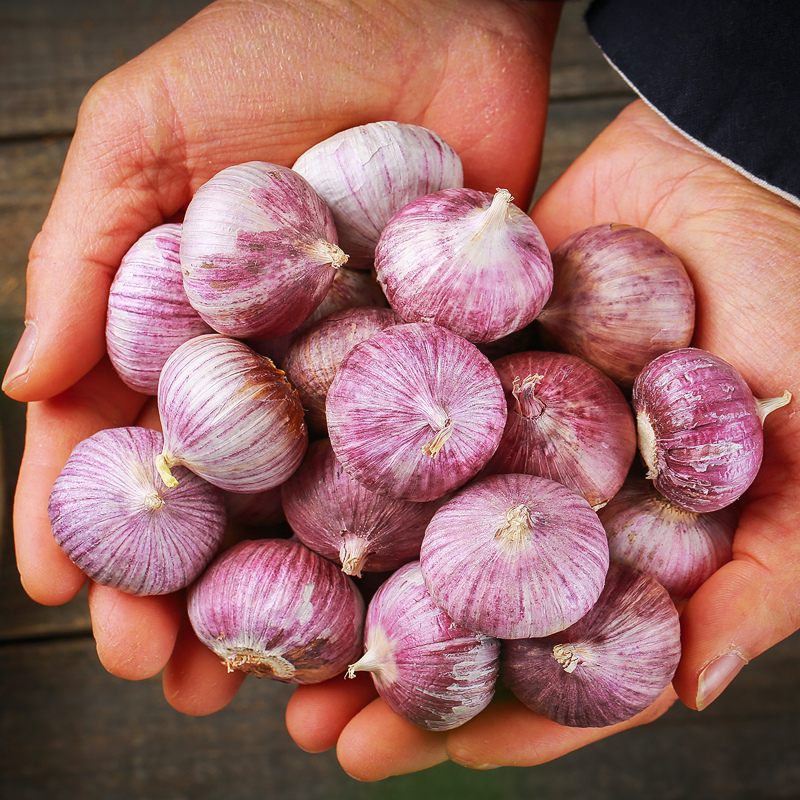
column 112, row 515
column 415, row 411
column 567, row 421
column 607, row 667
column 258, row 250
column 274, row 609
column 314, row 357
column 149, row 315
column 344, row 521
column 229, row 415
column 620, row 298
column 469, row 261
column 369, row 172
column 679, row 548
column 429, row 670
column 700, row 429
column 515, row 556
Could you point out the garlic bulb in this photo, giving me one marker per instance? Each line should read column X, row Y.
column 415, row 411
column 344, row 521
column 514, row 556
column 275, row 609
column 368, row 172
column 229, row 415
column 429, row 670
column 567, row 421
column 679, row 548
column 149, row 314
column 700, row 429
column 112, row 515
column 466, row 260
column 258, row 250
column 610, row 665
column 314, row 357
column 620, row 298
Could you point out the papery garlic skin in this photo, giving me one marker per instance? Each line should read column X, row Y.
column 515, row 556
column 429, row 670
column 620, row 298
column 229, row 415
column 700, row 429
column 341, row 519
column 469, row 261
column 611, row 664
column 314, row 357
column 679, row 548
column 415, row 411
column 567, row 421
column 258, row 250
column 273, row 608
column 149, row 315
column 112, row 515
column 368, row 172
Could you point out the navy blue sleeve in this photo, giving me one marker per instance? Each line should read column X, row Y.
column 726, row 73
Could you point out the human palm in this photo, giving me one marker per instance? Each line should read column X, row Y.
column 240, row 81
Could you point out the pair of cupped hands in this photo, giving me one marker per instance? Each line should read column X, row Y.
column 266, row 80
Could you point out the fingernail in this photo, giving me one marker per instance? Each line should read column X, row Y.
column 716, row 677
column 23, row 355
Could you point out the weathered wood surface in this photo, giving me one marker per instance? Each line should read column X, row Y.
column 69, row 730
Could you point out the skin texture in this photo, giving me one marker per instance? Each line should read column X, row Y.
column 153, row 131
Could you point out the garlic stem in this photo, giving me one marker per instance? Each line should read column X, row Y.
column 328, row 252
column 378, row 659
column 517, row 526
column 163, row 464
column 528, row 405
column 442, row 435
column 570, row 656
column 353, row 553
column 647, row 444
column 153, row 501
column 767, row 405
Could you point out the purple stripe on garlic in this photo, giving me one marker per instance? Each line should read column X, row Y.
column 608, row 666
column 430, row 671
column 275, row 609
column 515, row 556
column 341, row 519
column 699, row 427
column 620, row 298
column 258, row 250
column 149, row 315
column 112, row 515
column 415, row 411
column 567, row 421
column 369, row 172
column 229, row 415
column 469, row 261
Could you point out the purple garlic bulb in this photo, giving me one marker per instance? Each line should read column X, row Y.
column 607, row 667
column 113, row 516
column 368, row 172
column 275, row 609
column 149, row 315
column 620, row 298
column 429, row 670
column 700, row 429
column 229, row 415
column 514, row 556
column 415, row 411
column 258, row 250
column 469, row 261
column 679, row 548
column 567, row 421
column 314, row 357
column 341, row 519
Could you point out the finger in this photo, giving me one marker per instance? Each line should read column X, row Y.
column 135, row 636
column 195, row 680
column 53, row 429
column 317, row 714
column 508, row 734
column 377, row 744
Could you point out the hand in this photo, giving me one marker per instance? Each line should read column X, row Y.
column 240, row 81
